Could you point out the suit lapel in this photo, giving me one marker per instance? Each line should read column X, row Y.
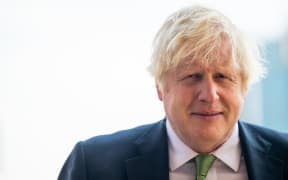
column 152, row 160
column 261, row 164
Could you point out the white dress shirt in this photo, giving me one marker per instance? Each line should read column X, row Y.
column 229, row 165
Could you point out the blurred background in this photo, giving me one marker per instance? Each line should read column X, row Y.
column 72, row 69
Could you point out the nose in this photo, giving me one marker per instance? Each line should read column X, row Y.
column 208, row 91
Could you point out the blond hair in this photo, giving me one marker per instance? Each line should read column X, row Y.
column 197, row 33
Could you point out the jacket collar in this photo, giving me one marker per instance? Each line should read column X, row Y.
column 151, row 161
column 258, row 153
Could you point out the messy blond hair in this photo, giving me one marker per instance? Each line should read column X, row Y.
column 197, row 33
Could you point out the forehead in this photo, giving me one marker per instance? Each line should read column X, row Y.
column 199, row 66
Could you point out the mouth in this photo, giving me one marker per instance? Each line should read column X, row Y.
column 207, row 115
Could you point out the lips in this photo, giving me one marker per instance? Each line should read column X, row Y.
column 207, row 115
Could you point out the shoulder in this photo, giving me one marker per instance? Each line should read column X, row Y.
column 120, row 137
column 105, row 156
column 120, row 143
column 278, row 138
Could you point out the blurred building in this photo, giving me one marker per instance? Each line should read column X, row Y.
column 267, row 102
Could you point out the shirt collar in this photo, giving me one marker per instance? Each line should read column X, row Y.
column 179, row 153
column 230, row 151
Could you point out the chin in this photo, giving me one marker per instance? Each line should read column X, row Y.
column 212, row 137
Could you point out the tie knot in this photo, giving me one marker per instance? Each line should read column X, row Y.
column 203, row 162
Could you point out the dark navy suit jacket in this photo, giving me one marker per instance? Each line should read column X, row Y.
column 142, row 154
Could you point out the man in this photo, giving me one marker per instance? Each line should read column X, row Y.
column 203, row 66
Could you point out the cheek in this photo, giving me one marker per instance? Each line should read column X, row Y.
column 185, row 95
column 177, row 103
column 235, row 101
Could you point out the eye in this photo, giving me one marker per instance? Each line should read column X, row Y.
column 220, row 76
column 193, row 77
column 223, row 77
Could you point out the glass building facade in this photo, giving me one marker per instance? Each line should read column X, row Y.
column 267, row 101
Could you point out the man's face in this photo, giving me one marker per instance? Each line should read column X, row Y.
column 202, row 103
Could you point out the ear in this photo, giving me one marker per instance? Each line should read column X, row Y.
column 159, row 92
column 244, row 93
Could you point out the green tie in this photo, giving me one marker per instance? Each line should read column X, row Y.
column 203, row 162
